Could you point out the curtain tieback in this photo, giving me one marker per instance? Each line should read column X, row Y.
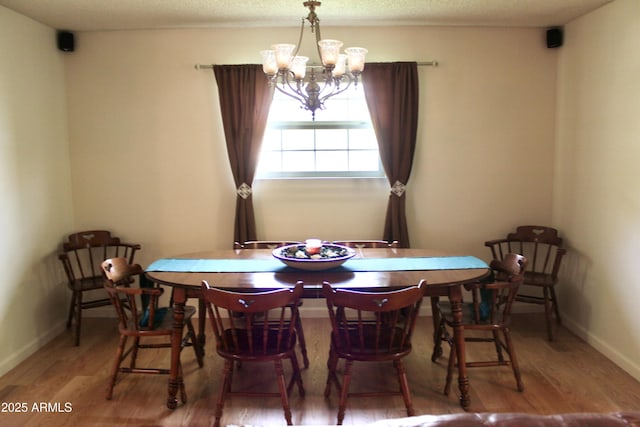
column 244, row 190
column 398, row 188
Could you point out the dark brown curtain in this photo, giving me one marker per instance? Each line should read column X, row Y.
column 245, row 97
column 391, row 91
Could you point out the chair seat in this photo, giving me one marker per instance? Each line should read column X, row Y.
column 165, row 324
column 242, row 347
column 468, row 312
column 538, row 279
column 468, row 317
column 86, row 284
column 90, row 282
column 363, row 345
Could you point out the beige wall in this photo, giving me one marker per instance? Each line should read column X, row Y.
column 597, row 189
column 35, row 186
column 149, row 160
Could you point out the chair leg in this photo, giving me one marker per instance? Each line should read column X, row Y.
column 72, row 306
column 134, row 351
column 554, row 302
column 438, row 335
column 225, row 386
column 78, row 317
column 450, row 368
column 116, row 366
column 438, row 331
column 548, row 303
column 195, row 343
column 514, row 360
column 183, row 392
column 296, row 376
column 344, row 391
column 202, row 320
column 332, row 377
column 496, row 342
column 404, row 387
column 302, row 342
column 282, row 386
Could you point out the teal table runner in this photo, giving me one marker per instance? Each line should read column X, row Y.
column 355, row 264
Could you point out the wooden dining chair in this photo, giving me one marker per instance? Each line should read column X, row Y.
column 264, row 244
column 361, row 244
column 141, row 320
column 81, row 256
column 543, row 248
column 255, row 327
column 487, row 318
column 273, row 244
column 370, row 327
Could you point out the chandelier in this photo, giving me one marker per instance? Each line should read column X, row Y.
column 288, row 72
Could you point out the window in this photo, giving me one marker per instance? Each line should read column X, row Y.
column 339, row 143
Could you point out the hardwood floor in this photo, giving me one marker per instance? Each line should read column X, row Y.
column 64, row 385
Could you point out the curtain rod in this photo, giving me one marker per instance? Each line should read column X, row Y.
column 420, row 64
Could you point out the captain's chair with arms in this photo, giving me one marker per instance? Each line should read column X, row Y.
column 81, row 257
column 543, row 248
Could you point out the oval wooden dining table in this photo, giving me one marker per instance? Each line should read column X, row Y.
column 370, row 269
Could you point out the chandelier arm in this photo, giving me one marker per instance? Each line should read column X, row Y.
column 296, row 89
column 294, row 96
column 295, row 93
column 329, row 82
column 337, row 92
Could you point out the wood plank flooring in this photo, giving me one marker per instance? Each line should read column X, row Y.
column 63, row 385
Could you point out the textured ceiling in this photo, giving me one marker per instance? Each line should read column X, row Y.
column 97, row 15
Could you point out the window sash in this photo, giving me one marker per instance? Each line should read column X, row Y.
column 332, row 148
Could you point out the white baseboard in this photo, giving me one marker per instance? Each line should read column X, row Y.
column 34, row 345
column 630, row 366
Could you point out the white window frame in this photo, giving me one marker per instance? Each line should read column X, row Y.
column 312, row 126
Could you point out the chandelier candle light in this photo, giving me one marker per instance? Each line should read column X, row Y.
column 288, row 72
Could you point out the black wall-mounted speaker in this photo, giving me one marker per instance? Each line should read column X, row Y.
column 554, row 37
column 66, row 41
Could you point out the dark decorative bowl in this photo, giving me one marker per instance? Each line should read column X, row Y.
column 330, row 256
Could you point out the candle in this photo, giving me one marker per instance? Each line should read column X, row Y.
column 313, row 246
